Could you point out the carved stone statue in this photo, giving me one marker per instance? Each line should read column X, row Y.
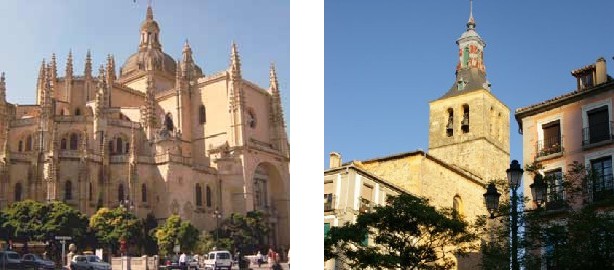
column 168, row 122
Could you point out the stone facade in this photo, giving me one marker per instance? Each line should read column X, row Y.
column 468, row 147
column 160, row 137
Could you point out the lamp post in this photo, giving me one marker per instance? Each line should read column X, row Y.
column 514, row 176
column 217, row 214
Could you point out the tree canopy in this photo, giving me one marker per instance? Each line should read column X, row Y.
column 407, row 233
column 113, row 225
column 174, row 231
column 247, row 233
column 30, row 220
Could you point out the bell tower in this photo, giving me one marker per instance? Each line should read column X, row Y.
column 469, row 126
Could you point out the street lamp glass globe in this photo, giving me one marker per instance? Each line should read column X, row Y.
column 491, row 197
column 514, row 174
column 538, row 190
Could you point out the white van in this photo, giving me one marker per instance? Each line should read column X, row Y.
column 220, row 259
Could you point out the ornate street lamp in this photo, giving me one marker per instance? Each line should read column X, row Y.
column 491, row 197
column 514, row 174
column 538, row 190
column 217, row 214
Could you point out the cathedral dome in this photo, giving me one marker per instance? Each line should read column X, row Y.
column 150, row 55
column 149, row 60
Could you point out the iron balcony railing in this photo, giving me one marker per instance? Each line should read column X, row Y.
column 365, row 205
column 603, row 187
column 549, row 146
column 597, row 133
column 555, row 196
column 329, row 200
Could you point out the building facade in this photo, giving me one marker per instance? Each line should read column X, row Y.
column 468, row 147
column 574, row 127
column 159, row 136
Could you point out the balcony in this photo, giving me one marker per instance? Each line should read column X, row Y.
column 365, row 205
column 555, row 199
column 597, row 134
column 329, row 201
column 603, row 187
column 549, row 146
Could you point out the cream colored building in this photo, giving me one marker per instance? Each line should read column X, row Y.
column 468, row 147
column 573, row 127
column 160, row 136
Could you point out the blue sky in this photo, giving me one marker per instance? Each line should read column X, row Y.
column 33, row 30
column 385, row 60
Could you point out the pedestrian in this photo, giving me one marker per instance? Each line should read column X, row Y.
column 270, row 257
column 259, row 258
column 182, row 259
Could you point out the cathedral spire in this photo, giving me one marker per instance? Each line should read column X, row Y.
column 69, row 71
column 235, row 62
column 150, row 32
column 54, row 69
column 2, row 88
column 110, row 69
column 273, row 83
column 88, row 65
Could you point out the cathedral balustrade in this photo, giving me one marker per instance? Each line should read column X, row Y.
column 24, row 122
column 124, row 123
column 72, row 118
column 165, row 158
column 70, row 154
column 119, row 158
column 19, row 156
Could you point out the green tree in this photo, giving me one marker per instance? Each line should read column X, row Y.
column 407, row 233
column 35, row 221
column 574, row 236
column 174, row 231
column 150, row 247
column 113, row 225
column 246, row 233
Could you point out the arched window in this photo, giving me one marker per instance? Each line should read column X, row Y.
column 91, row 192
column 120, row 193
column 63, row 144
column 68, row 190
column 111, row 147
column 450, row 124
column 457, row 205
column 74, row 141
column 127, row 147
column 78, row 111
column 465, row 122
column 143, row 193
column 199, row 195
column 20, row 147
column 17, row 192
column 120, row 146
column 261, row 178
column 466, row 56
column 208, row 196
column 202, row 114
column 29, row 143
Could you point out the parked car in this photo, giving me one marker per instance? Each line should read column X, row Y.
column 193, row 263
column 36, row 262
column 220, row 259
column 171, row 263
column 10, row 260
column 88, row 262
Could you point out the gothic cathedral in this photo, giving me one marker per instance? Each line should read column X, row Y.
column 159, row 137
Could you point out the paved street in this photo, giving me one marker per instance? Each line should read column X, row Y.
column 263, row 267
